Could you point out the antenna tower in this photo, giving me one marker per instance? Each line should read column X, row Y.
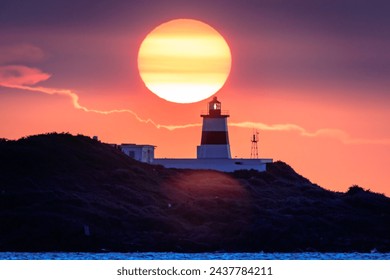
column 254, row 148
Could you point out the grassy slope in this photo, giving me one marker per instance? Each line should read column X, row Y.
column 71, row 193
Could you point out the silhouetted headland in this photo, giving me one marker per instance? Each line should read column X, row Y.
column 60, row 192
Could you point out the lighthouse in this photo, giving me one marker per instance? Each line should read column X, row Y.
column 214, row 143
column 213, row 153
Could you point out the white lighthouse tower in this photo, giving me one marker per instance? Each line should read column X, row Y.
column 214, row 149
column 215, row 138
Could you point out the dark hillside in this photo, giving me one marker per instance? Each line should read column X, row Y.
column 60, row 192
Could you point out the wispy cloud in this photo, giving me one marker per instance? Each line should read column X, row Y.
column 25, row 78
column 323, row 132
column 18, row 75
column 20, row 53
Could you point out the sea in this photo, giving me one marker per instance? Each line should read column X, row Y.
column 191, row 256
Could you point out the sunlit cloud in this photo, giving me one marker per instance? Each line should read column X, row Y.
column 323, row 132
column 20, row 53
column 25, row 78
column 18, row 75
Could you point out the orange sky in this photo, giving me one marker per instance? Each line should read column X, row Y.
column 318, row 93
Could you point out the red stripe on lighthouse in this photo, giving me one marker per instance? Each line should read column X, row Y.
column 215, row 138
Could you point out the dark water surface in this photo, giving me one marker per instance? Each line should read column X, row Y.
column 192, row 256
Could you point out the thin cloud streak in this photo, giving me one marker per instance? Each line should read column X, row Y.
column 338, row 134
column 75, row 102
column 324, row 132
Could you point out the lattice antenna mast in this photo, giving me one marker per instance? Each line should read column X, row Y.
column 254, row 148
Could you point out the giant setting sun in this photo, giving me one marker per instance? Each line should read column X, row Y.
column 184, row 61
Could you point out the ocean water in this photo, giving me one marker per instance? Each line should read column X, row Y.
column 192, row 256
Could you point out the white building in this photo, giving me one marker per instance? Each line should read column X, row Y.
column 212, row 153
column 143, row 153
column 220, row 164
column 214, row 149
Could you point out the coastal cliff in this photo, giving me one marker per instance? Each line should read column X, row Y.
column 60, row 192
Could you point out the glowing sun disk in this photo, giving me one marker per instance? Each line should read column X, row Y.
column 184, row 61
